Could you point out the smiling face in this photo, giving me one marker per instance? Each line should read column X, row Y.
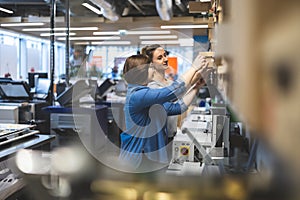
column 160, row 58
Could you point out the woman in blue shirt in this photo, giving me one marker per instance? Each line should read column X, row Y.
column 143, row 144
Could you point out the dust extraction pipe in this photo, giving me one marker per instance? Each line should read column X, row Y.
column 107, row 8
column 164, row 9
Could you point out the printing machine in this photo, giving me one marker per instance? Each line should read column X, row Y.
column 86, row 125
column 18, row 106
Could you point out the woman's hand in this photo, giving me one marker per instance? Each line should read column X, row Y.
column 200, row 83
column 199, row 62
column 201, row 74
column 197, row 71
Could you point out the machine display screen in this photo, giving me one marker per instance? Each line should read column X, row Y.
column 42, row 86
column 105, row 87
column 72, row 95
column 14, row 90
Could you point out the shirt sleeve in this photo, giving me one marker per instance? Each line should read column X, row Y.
column 146, row 96
column 175, row 108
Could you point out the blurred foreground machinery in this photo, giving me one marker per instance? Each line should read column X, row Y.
column 259, row 44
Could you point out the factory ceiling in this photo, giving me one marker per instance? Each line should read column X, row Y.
column 115, row 15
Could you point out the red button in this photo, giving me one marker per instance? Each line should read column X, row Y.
column 184, row 151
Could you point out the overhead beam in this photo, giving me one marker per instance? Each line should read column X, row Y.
column 10, row 19
column 43, row 19
column 198, row 7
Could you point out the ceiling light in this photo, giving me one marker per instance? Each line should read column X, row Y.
column 205, row 0
column 147, row 37
column 55, row 34
column 91, row 38
column 83, row 28
column 149, row 42
column 61, row 29
column 106, row 33
column 6, row 10
column 184, row 26
column 81, row 43
column 37, row 29
column 147, row 32
column 125, row 32
column 186, row 42
column 112, row 43
column 122, row 32
column 22, row 24
column 92, row 8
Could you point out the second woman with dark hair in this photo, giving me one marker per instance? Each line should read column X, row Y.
column 159, row 57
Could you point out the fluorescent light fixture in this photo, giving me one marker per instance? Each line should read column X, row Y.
column 93, row 28
column 125, row 32
column 122, row 32
column 107, row 33
column 91, row 38
column 147, row 32
column 56, row 34
column 160, row 42
column 112, row 43
column 92, row 8
column 6, row 10
column 205, row 0
column 153, row 37
column 81, row 43
column 61, row 29
column 184, row 26
column 184, row 42
column 36, row 29
column 22, row 24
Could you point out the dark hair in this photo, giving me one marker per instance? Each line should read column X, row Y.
column 135, row 69
column 148, row 50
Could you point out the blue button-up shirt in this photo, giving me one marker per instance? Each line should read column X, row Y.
column 146, row 112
